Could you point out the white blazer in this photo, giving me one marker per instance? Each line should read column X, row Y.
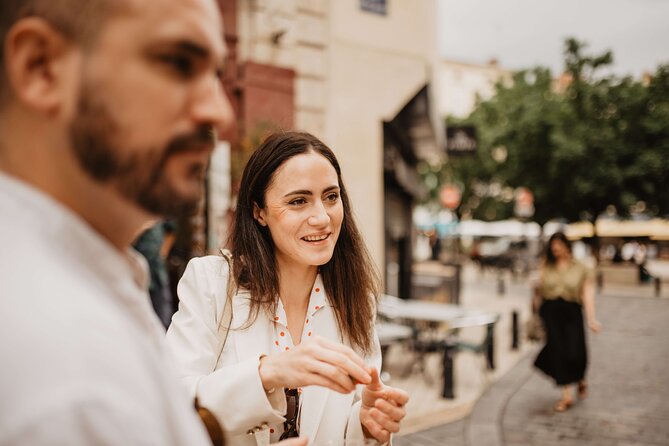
column 233, row 392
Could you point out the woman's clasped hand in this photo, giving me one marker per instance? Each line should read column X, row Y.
column 323, row 363
column 317, row 362
column 382, row 409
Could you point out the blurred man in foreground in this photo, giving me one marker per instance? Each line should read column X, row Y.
column 108, row 114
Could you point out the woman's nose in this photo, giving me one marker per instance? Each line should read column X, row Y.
column 319, row 217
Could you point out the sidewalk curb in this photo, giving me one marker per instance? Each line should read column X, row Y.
column 484, row 425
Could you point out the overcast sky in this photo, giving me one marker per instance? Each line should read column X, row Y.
column 525, row 33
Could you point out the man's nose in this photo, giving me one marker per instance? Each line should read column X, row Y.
column 212, row 107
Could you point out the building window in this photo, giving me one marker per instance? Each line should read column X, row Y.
column 374, row 6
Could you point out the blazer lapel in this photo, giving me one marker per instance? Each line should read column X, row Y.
column 252, row 341
column 314, row 397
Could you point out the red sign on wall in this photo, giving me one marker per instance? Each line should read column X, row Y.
column 450, row 196
column 524, row 202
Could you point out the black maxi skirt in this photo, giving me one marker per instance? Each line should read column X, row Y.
column 564, row 357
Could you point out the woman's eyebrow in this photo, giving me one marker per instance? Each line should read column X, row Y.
column 308, row 192
column 299, row 192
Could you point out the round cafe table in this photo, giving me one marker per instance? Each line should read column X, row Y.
column 452, row 316
column 389, row 332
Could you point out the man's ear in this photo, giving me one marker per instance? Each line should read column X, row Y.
column 259, row 215
column 36, row 55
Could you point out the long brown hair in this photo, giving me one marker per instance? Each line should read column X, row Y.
column 350, row 279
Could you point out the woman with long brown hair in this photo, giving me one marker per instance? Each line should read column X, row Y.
column 301, row 336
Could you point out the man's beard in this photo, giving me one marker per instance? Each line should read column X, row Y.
column 140, row 174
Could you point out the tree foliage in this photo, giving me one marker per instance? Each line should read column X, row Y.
column 580, row 144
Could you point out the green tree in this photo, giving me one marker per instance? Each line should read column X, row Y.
column 581, row 144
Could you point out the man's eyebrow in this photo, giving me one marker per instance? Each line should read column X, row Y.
column 192, row 47
column 199, row 51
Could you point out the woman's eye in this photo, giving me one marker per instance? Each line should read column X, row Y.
column 297, row 202
column 332, row 197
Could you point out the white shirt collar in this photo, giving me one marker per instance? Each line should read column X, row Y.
column 52, row 219
column 317, row 300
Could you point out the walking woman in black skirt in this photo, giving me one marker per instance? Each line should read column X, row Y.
column 566, row 290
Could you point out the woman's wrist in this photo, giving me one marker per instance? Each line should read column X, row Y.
column 266, row 375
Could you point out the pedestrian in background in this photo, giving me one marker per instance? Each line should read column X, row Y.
column 566, row 289
column 155, row 244
column 302, row 330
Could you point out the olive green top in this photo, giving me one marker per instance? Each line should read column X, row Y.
column 565, row 283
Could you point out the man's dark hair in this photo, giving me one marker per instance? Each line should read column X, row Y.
column 350, row 278
column 78, row 20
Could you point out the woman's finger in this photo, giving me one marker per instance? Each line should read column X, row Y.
column 377, row 430
column 345, row 358
column 341, row 361
column 331, row 373
column 385, row 421
column 399, row 396
column 375, row 384
column 317, row 380
column 393, row 411
column 343, row 349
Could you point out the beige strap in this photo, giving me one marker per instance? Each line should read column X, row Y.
column 226, row 317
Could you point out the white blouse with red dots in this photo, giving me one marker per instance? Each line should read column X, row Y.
column 282, row 339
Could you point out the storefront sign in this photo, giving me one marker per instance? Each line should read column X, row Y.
column 461, row 140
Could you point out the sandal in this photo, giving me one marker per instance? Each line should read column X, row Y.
column 582, row 389
column 563, row 405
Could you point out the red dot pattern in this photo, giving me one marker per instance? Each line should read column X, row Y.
column 282, row 339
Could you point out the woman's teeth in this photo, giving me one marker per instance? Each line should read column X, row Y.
column 315, row 238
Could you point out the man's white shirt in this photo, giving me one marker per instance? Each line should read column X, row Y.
column 82, row 355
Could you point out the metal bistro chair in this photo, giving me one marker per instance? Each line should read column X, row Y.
column 486, row 348
column 390, row 334
column 429, row 339
column 425, row 337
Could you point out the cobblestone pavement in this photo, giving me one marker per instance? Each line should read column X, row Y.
column 628, row 402
column 451, row 434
